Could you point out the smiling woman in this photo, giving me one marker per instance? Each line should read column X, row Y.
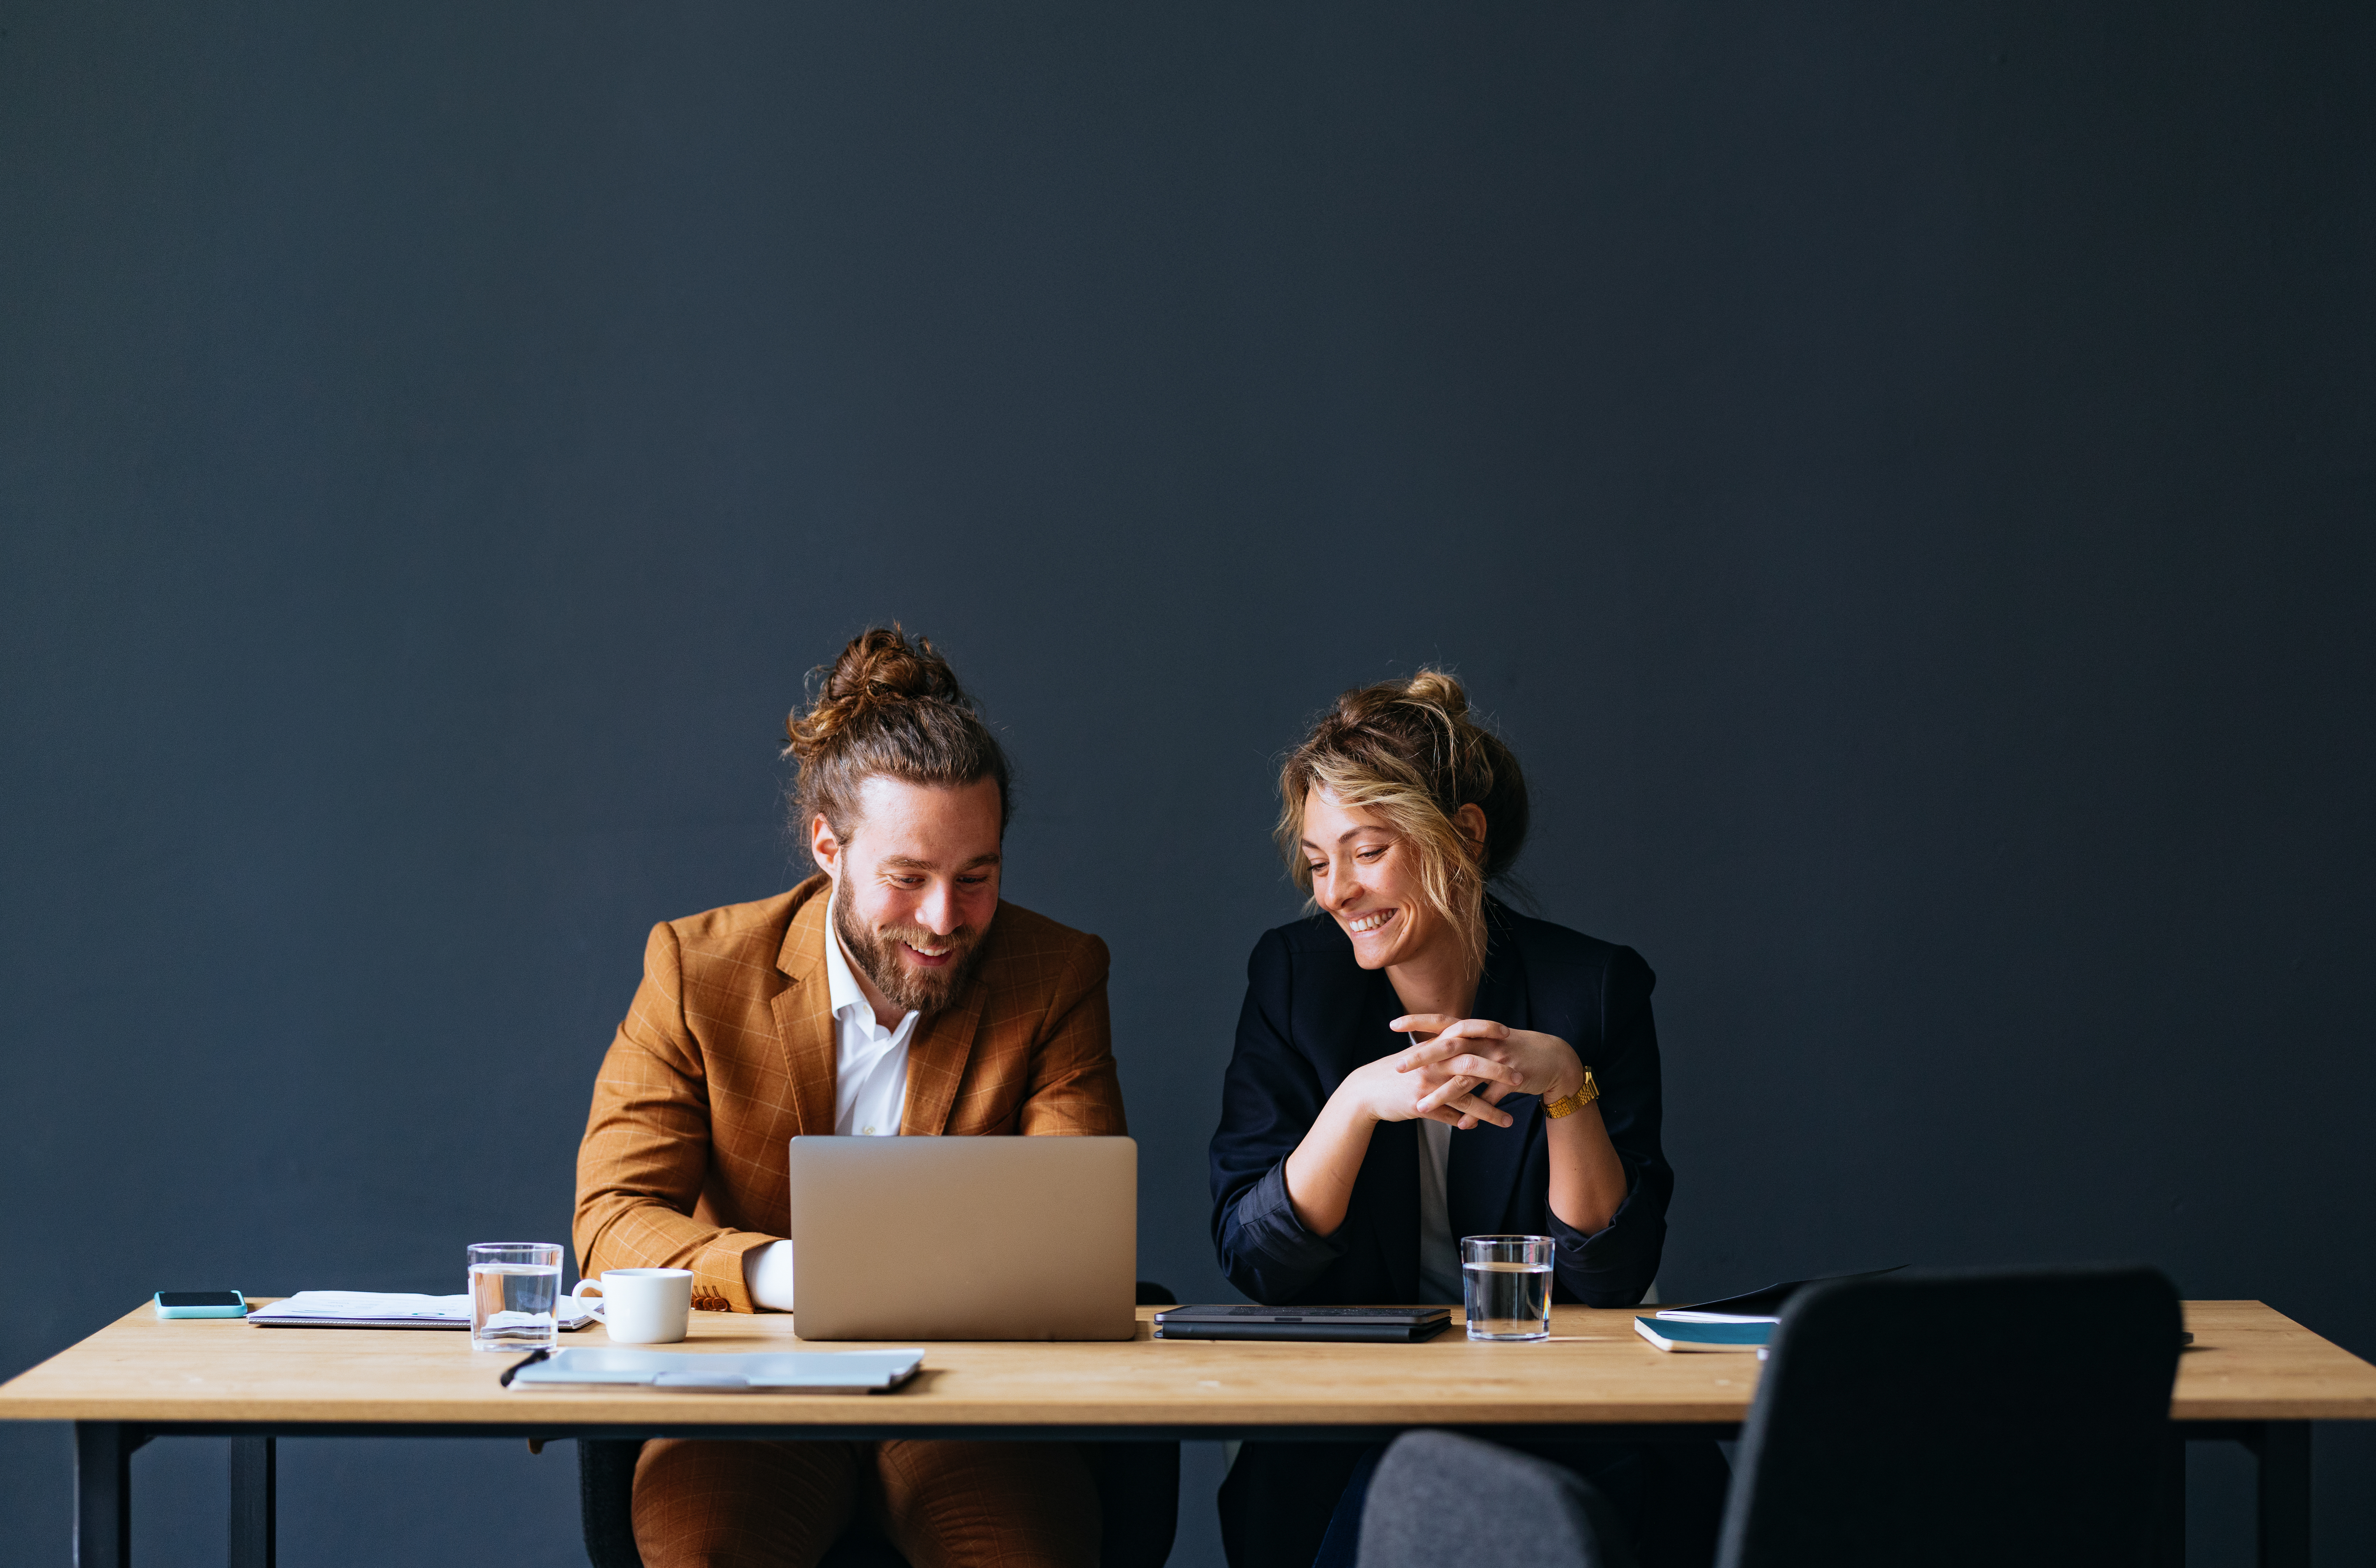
column 1407, row 756
column 1417, row 1062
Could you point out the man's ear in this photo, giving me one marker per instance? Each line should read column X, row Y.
column 822, row 845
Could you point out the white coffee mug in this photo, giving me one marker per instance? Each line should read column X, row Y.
column 641, row 1306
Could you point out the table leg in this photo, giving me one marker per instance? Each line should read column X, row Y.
column 2168, row 1549
column 103, row 1494
column 254, row 1484
column 2284, row 1450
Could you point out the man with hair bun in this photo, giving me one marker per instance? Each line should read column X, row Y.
column 892, row 992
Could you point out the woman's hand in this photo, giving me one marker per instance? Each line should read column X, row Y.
column 1469, row 1064
column 1588, row 1181
column 1388, row 1090
column 1323, row 1168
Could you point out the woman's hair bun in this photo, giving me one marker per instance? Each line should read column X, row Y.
column 1437, row 689
column 1436, row 693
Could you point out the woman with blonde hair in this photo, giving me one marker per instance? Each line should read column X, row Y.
column 1417, row 1062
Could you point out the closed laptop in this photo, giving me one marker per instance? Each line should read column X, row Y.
column 977, row 1238
column 1379, row 1326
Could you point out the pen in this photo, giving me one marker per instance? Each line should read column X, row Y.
column 527, row 1361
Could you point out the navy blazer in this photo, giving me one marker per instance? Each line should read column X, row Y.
column 1311, row 1016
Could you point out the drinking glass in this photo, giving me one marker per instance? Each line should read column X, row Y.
column 515, row 1287
column 1505, row 1283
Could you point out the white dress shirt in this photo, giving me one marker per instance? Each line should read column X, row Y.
column 1439, row 1253
column 870, row 1090
column 869, row 1063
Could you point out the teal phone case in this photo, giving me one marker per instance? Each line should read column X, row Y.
column 164, row 1310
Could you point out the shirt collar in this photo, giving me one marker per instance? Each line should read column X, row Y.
column 841, row 981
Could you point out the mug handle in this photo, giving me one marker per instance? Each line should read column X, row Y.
column 594, row 1307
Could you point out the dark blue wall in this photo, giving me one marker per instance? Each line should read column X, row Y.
column 1902, row 475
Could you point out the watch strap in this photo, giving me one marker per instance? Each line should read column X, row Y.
column 1575, row 1099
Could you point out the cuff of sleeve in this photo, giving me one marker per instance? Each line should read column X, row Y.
column 1266, row 1223
column 1608, row 1268
column 768, row 1272
column 719, row 1284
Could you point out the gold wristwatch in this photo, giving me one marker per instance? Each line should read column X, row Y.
column 1569, row 1104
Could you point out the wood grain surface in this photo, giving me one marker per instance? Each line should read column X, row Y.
column 2247, row 1363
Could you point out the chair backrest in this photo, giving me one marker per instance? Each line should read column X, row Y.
column 606, row 1492
column 1440, row 1498
column 1961, row 1417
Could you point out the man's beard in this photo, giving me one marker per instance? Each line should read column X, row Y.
column 910, row 989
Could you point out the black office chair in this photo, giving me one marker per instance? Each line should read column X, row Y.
column 1940, row 1417
column 1138, row 1494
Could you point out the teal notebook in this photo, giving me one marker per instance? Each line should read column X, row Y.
column 1668, row 1335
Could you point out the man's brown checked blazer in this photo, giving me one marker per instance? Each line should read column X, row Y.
column 729, row 1051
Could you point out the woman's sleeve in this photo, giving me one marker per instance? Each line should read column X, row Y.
column 1270, row 1097
column 1613, row 1267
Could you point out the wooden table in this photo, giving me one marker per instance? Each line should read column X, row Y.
column 2252, row 1376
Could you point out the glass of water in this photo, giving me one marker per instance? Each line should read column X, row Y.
column 1505, row 1283
column 515, row 1287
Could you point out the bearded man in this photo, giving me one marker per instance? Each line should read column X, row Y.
column 894, row 992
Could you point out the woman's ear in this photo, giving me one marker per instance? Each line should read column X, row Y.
column 1470, row 820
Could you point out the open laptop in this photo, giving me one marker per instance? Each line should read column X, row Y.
column 988, row 1238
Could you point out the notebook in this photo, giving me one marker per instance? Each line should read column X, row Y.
column 377, row 1309
column 1704, row 1335
column 1376, row 1325
column 766, row 1372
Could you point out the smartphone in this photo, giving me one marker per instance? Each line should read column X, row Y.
column 201, row 1303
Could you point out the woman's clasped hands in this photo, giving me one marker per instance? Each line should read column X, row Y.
column 1464, row 1067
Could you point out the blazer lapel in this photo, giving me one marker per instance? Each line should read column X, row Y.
column 1482, row 1177
column 804, row 1012
column 1389, row 1178
column 936, row 1063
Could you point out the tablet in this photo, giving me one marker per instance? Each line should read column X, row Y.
column 1374, row 1325
column 777, row 1371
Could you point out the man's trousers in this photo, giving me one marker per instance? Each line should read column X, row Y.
column 746, row 1504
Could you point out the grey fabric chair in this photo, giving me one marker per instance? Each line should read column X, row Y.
column 1947, row 1418
column 1441, row 1499
column 1138, row 1492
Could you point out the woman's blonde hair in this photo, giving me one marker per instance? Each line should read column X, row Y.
column 1408, row 753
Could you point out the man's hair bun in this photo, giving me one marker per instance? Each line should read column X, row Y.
column 880, row 666
column 890, row 706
